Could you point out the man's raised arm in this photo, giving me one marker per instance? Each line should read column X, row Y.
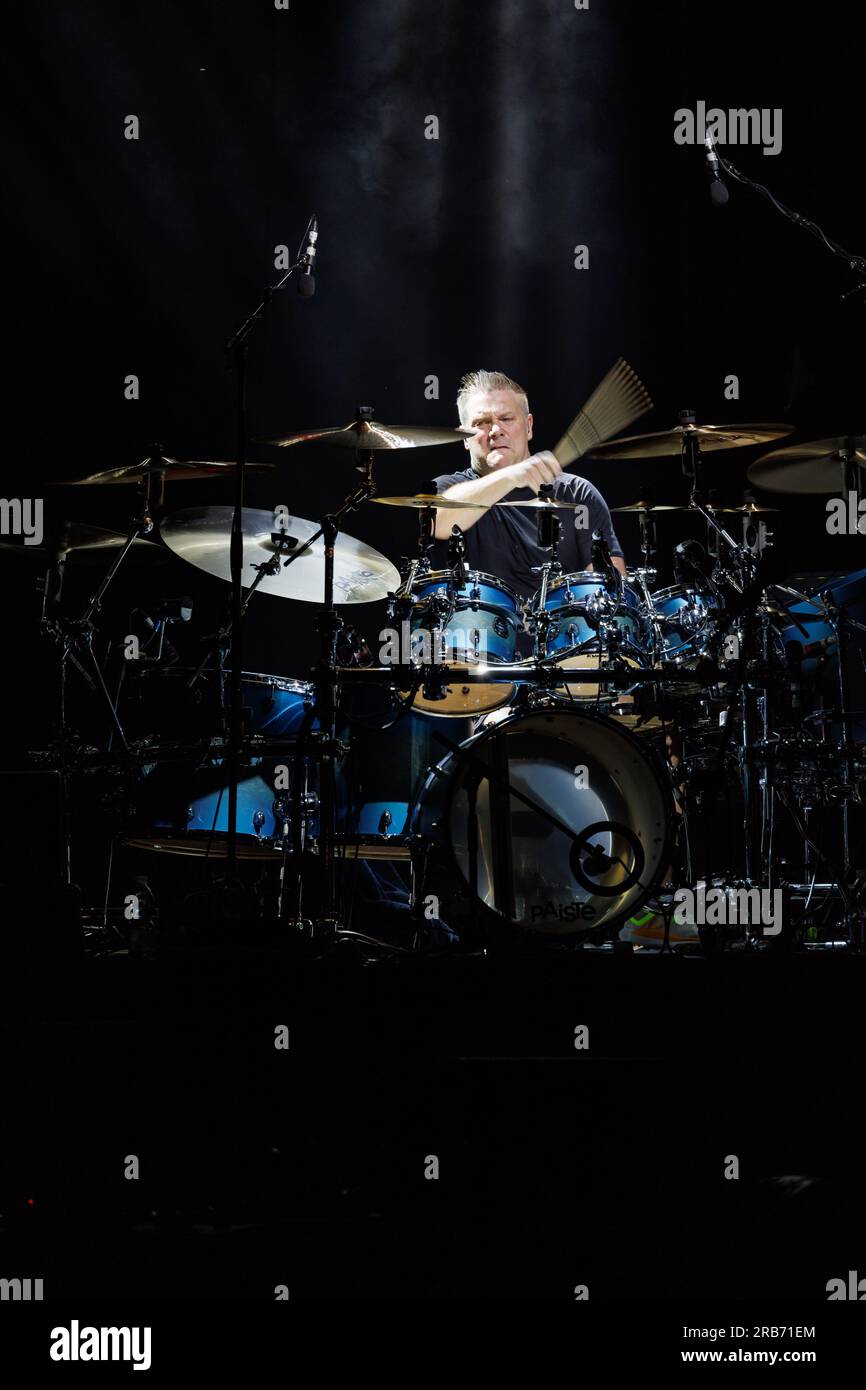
column 533, row 473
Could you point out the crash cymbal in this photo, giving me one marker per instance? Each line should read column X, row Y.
column 87, row 542
column 370, row 434
column 645, row 506
column 670, row 442
column 812, row 467
column 201, row 535
column 177, row 470
column 422, row 500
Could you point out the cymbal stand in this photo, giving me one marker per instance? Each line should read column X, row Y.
column 841, row 626
column 326, row 747
column 77, row 634
column 237, row 352
column 548, row 535
column 646, row 576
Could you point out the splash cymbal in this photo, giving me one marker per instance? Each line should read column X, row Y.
column 420, row 501
column 541, row 504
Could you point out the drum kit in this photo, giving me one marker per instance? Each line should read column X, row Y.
column 547, row 767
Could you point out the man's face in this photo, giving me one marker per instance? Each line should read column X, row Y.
column 502, row 431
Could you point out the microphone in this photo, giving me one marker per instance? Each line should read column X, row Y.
column 153, row 624
column 600, row 553
column 687, row 561
column 602, row 562
column 719, row 194
column 456, row 557
column 173, row 610
column 306, row 279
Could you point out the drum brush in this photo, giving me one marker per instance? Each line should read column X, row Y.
column 618, row 400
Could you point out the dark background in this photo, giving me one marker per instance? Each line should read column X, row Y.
column 435, row 257
column 556, row 129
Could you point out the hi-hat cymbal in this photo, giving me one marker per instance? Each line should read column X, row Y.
column 812, row 467
column 670, row 442
column 177, row 470
column 645, row 506
column 370, row 434
column 747, row 509
column 201, row 535
column 422, row 500
column 87, row 542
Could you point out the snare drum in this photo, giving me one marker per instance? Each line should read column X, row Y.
column 474, row 623
column 590, row 626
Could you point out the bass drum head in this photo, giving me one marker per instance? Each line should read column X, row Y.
column 558, row 822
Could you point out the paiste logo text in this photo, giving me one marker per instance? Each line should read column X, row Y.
column 734, row 127
column 22, row 516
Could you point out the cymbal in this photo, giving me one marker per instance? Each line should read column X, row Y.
column 747, row 509
column 201, row 535
column 370, row 434
column 812, row 467
column 422, row 500
column 541, row 504
column 651, row 507
column 89, row 542
column 177, row 470
column 710, row 438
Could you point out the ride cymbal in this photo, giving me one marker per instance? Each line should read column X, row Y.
column 202, row 536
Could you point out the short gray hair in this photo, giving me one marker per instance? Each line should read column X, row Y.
column 484, row 381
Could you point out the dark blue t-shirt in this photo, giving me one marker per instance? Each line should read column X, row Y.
column 504, row 542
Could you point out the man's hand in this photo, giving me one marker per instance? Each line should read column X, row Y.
column 533, row 472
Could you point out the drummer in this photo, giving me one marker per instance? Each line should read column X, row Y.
column 503, row 541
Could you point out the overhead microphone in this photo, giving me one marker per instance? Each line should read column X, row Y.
column 306, row 279
column 602, row 562
column 688, row 561
column 719, row 194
